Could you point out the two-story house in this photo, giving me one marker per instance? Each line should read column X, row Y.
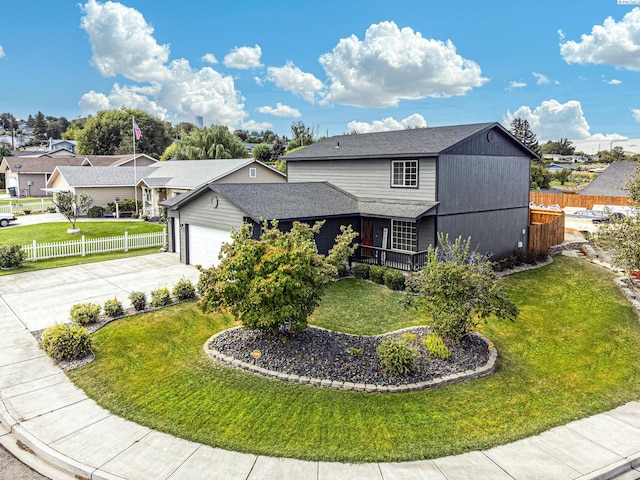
column 398, row 189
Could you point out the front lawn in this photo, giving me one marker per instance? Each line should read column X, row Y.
column 571, row 353
column 57, row 231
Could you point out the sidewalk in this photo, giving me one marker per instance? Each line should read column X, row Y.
column 45, row 418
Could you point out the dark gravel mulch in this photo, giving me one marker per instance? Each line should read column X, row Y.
column 325, row 354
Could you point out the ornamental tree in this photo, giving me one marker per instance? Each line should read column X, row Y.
column 458, row 288
column 273, row 284
column 72, row 206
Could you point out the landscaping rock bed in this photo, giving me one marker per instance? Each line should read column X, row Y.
column 333, row 359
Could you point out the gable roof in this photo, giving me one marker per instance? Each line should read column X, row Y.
column 113, row 160
column 189, row 174
column 77, row 176
column 430, row 141
column 38, row 164
column 611, row 182
column 301, row 201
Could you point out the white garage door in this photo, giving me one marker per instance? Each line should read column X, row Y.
column 205, row 244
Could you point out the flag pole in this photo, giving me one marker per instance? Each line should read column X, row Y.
column 135, row 175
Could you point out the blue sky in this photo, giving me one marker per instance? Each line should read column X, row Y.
column 571, row 67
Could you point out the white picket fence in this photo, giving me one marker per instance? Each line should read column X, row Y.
column 20, row 206
column 89, row 246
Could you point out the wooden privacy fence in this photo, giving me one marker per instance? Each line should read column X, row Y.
column 546, row 229
column 573, row 200
column 34, row 205
column 84, row 246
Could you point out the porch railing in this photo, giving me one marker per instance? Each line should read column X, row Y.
column 406, row 261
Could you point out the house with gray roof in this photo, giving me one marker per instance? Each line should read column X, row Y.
column 612, row 181
column 398, row 189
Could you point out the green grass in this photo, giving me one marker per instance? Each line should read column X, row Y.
column 57, row 231
column 572, row 352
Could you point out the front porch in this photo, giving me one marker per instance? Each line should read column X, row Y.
column 405, row 261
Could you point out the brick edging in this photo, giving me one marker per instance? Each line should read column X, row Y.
column 486, row 369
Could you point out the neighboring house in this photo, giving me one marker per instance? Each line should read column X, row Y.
column 102, row 184
column 27, row 175
column 68, row 146
column 612, row 181
column 397, row 189
column 174, row 177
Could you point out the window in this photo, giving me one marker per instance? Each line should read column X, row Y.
column 404, row 173
column 253, row 173
column 403, row 235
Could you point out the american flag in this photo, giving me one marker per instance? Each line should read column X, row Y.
column 136, row 130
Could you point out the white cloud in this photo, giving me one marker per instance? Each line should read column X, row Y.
column 252, row 125
column 122, row 44
column 636, row 114
column 392, row 64
column 1, row 52
column 561, row 34
column 540, row 78
column 243, row 58
column 612, row 43
column 613, row 81
column 552, row 120
column 294, row 80
column 387, row 124
column 513, row 85
column 280, row 111
column 209, row 58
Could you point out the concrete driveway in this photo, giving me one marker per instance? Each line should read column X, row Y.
column 43, row 298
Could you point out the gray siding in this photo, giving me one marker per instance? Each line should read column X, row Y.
column 365, row 178
column 479, row 144
column 426, row 233
column 330, row 230
column 470, row 183
column 263, row 175
column 497, row 232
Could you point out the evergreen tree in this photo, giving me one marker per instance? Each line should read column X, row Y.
column 40, row 127
column 522, row 131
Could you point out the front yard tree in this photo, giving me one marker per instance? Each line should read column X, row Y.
column 458, row 288
column 622, row 235
column 273, row 284
column 72, row 206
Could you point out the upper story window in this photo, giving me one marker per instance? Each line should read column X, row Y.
column 404, row 173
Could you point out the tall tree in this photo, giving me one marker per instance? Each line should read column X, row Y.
column 214, row 142
column 40, row 127
column 522, row 131
column 302, row 135
column 110, row 132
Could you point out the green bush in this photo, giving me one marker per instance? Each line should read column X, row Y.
column 397, row 357
column 184, row 290
column 376, row 274
column 85, row 313
column 343, row 271
column 11, row 255
column 436, row 346
column 394, row 279
column 95, row 212
column 66, row 342
column 138, row 300
column 160, row 297
column 361, row 271
column 113, row 308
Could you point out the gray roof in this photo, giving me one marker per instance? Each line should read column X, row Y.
column 102, row 176
column 304, row 200
column 612, row 181
column 429, row 141
column 189, row 174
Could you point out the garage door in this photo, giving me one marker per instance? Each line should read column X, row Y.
column 204, row 245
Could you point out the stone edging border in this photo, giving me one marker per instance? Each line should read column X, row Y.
column 487, row 369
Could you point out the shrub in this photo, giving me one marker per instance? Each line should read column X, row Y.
column 397, row 357
column 376, row 274
column 84, row 313
column 394, row 279
column 11, row 255
column 66, row 342
column 343, row 271
column 138, row 300
column 184, row 290
column 113, row 308
column 361, row 271
column 356, row 352
column 436, row 346
column 160, row 297
column 95, row 212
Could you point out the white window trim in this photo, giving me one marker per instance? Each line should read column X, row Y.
column 253, row 172
column 404, row 177
column 393, row 236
